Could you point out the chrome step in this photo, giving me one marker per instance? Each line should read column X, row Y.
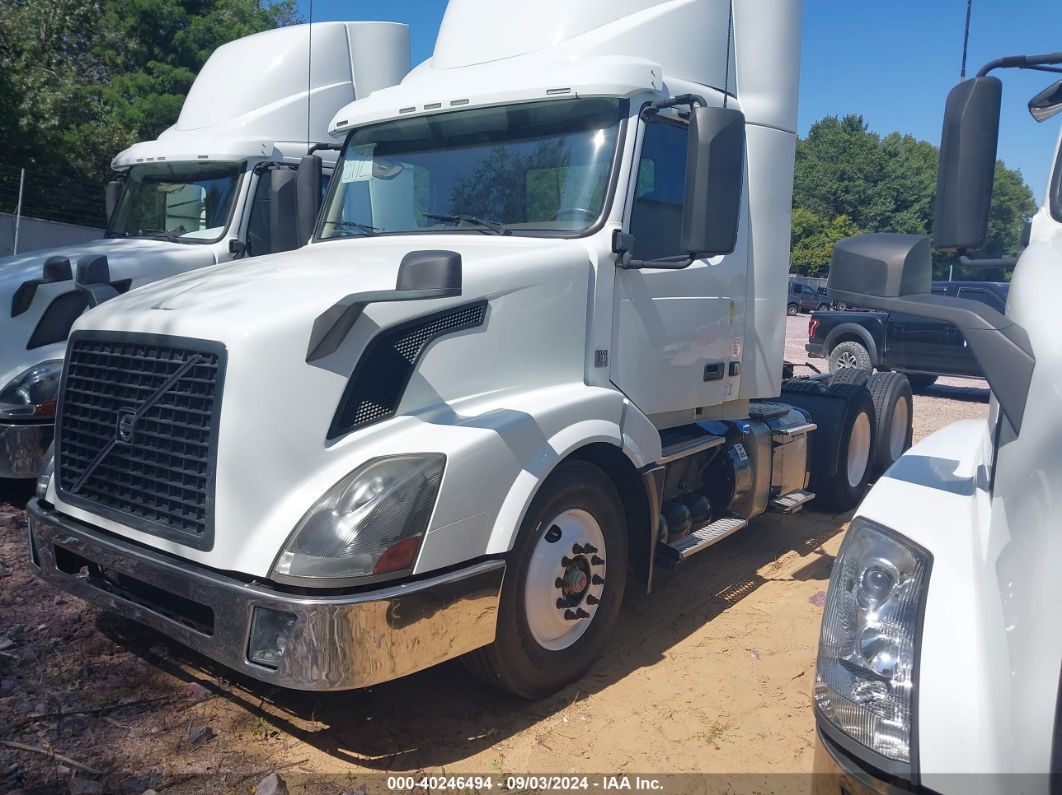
column 677, row 551
column 791, row 502
column 688, row 446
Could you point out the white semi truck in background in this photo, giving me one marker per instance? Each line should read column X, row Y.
column 221, row 183
column 939, row 660
column 535, row 344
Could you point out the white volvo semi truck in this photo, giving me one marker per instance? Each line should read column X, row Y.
column 938, row 666
column 219, row 184
column 535, row 345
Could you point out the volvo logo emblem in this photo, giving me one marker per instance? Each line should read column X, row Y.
column 126, row 426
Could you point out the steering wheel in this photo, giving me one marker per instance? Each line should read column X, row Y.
column 571, row 211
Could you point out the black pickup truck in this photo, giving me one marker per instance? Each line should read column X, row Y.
column 924, row 349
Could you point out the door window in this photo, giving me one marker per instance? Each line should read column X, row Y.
column 656, row 217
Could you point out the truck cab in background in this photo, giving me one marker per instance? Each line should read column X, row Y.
column 938, row 670
column 222, row 183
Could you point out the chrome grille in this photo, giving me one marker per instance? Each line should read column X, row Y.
column 137, row 431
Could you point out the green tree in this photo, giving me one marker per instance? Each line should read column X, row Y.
column 849, row 180
column 814, row 238
column 84, row 79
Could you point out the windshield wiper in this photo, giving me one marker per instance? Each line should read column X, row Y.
column 494, row 227
column 369, row 230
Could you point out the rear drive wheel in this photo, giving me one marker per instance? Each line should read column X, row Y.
column 563, row 590
column 792, row 309
column 850, row 375
column 920, row 382
column 850, row 354
column 893, row 409
column 844, row 489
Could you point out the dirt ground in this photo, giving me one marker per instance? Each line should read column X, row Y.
column 712, row 673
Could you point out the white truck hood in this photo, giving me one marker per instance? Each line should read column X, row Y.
column 274, row 454
column 138, row 259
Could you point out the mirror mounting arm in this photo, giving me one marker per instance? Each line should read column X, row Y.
column 623, row 248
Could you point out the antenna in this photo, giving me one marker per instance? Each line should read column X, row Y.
column 309, row 73
column 965, row 40
column 729, row 35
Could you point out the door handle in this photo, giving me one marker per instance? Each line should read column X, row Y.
column 713, row 371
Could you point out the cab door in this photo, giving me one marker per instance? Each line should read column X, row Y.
column 678, row 334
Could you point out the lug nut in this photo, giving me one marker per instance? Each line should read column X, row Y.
column 597, row 580
column 580, row 613
column 579, row 549
column 595, row 560
column 561, row 604
column 558, row 583
column 566, row 561
column 591, row 599
column 590, row 548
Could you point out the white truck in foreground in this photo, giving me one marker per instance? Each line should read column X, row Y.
column 938, row 666
column 221, row 183
column 535, row 344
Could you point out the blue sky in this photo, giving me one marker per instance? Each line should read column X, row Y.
column 892, row 61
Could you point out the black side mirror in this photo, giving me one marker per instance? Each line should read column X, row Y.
column 892, row 273
column 715, row 169
column 1047, row 103
column 283, row 210
column 93, row 279
column 967, row 164
column 56, row 269
column 110, row 198
column 309, row 196
column 421, row 275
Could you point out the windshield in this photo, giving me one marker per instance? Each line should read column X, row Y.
column 190, row 202
column 537, row 168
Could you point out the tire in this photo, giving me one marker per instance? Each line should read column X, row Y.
column 792, row 310
column 532, row 656
column 804, row 386
column 823, row 307
column 850, row 375
column 893, row 409
column 920, row 382
column 844, row 489
column 850, row 354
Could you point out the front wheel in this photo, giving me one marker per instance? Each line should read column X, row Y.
column 792, row 310
column 562, row 592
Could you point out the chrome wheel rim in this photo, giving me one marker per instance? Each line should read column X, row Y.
column 898, row 430
column 859, row 449
column 846, row 359
column 565, row 579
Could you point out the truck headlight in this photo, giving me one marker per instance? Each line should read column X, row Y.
column 369, row 523
column 32, row 393
column 866, row 670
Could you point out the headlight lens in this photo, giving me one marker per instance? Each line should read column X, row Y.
column 33, row 393
column 866, row 666
column 369, row 523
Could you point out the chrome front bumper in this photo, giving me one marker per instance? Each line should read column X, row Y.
column 337, row 643
column 22, row 448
